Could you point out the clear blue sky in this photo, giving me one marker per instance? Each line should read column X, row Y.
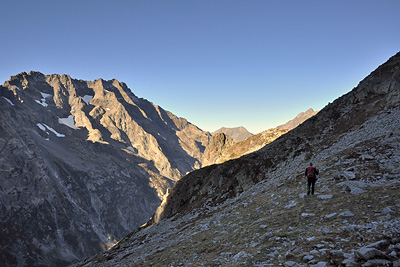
column 217, row 63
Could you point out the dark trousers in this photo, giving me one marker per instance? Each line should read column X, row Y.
column 310, row 183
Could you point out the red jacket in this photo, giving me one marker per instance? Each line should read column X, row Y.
column 311, row 172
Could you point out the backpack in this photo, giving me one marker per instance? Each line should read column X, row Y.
column 310, row 172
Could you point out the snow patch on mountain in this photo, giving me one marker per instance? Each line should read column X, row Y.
column 43, row 100
column 130, row 148
column 43, row 127
column 87, row 99
column 9, row 101
column 69, row 121
column 43, row 103
column 44, row 95
column 54, row 131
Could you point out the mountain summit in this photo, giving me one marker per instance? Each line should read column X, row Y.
column 253, row 211
column 237, row 133
column 82, row 164
column 299, row 119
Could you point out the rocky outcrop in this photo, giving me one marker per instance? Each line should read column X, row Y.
column 82, row 164
column 254, row 211
column 238, row 134
column 219, row 143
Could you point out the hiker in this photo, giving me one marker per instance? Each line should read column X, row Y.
column 311, row 174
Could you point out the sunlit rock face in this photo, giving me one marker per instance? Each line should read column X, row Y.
column 237, row 134
column 82, row 164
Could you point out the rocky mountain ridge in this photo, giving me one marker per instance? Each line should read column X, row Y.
column 253, row 211
column 82, row 164
column 299, row 119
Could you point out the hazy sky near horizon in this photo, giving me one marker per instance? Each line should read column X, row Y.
column 230, row 63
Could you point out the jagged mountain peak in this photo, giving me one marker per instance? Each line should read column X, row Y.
column 107, row 100
column 309, row 112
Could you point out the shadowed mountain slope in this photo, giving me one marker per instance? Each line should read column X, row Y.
column 252, row 211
